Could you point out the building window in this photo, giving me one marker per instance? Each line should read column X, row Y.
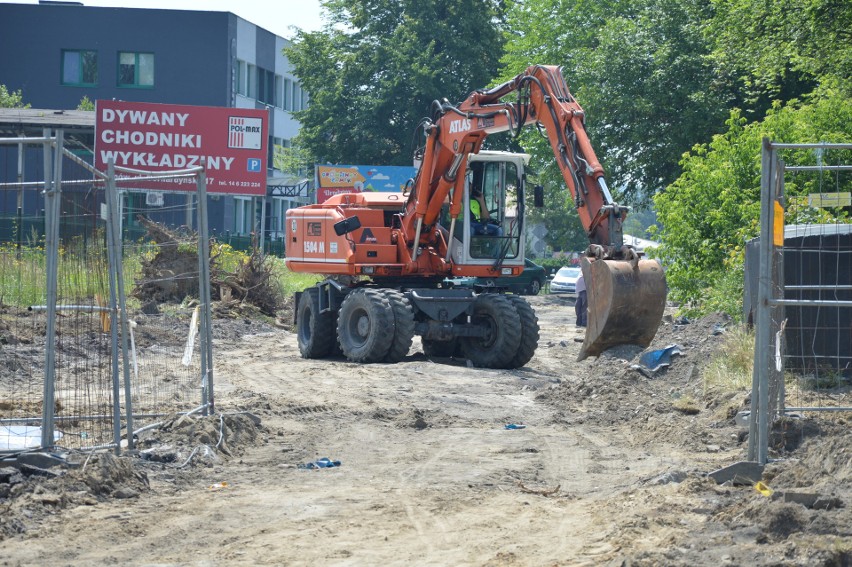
column 279, row 100
column 251, row 81
column 243, row 217
column 296, row 97
column 135, row 69
column 279, row 208
column 241, row 78
column 79, row 67
column 266, row 86
column 285, row 102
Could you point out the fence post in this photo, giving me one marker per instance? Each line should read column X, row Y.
column 52, row 182
column 109, row 196
column 204, row 295
column 758, row 442
column 20, row 235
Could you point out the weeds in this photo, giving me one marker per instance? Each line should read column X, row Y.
column 730, row 370
column 291, row 282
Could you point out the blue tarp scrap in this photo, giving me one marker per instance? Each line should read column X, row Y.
column 324, row 463
column 656, row 359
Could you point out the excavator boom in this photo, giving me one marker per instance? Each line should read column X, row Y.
column 626, row 293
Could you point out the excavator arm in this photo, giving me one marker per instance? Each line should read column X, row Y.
column 626, row 293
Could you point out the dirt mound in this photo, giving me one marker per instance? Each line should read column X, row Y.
column 171, row 274
column 31, row 495
column 823, row 462
column 670, row 402
column 191, row 438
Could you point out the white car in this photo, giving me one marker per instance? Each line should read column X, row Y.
column 565, row 280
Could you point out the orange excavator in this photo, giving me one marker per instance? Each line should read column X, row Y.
column 387, row 257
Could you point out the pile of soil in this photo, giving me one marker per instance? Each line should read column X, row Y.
column 29, row 494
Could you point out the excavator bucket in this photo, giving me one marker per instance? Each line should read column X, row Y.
column 626, row 302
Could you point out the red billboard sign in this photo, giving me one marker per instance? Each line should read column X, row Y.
column 161, row 137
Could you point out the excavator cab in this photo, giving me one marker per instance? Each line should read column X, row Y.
column 489, row 231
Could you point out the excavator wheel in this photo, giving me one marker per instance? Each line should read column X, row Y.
column 626, row 303
column 403, row 316
column 314, row 330
column 503, row 339
column 529, row 332
column 365, row 325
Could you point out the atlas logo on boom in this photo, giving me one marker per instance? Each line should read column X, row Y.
column 462, row 125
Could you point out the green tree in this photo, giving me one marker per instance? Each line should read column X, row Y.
column 781, row 49
column 13, row 99
column 714, row 207
column 639, row 69
column 86, row 104
column 292, row 160
column 374, row 70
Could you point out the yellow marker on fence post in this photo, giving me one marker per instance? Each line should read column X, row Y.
column 778, row 227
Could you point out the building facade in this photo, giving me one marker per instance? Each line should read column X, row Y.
column 57, row 53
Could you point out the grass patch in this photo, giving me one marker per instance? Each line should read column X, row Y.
column 686, row 405
column 83, row 272
column 290, row 282
column 730, row 369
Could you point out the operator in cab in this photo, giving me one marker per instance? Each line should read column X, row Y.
column 480, row 217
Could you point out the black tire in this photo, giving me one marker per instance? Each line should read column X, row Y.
column 442, row 349
column 403, row 316
column 365, row 325
column 335, row 344
column 314, row 330
column 500, row 345
column 535, row 287
column 529, row 332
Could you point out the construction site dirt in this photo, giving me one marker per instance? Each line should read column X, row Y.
column 435, row 462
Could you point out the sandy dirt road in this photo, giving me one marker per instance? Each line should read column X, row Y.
column 605, row 472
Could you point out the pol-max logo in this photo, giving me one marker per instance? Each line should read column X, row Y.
column 245, row 133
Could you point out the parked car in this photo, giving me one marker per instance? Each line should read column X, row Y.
column 529, row 282
column 565, row 280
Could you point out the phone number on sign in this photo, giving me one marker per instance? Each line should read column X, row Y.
column 251, row 184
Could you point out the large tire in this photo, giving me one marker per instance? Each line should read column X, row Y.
column 499, row 346
column 442, row 349
column 529, row 332
column 314, row 330
column 365, row 325
column 403, row 316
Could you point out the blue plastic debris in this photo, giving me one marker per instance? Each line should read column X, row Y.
column 515, row 426
column 657, row 359
column 324, row 463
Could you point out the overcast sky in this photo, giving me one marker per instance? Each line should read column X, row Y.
column 274, row 15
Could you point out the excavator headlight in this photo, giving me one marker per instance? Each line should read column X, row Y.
column 367, row 269
column 506, row 271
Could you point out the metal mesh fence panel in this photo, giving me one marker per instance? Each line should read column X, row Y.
column 79, row 367
column 164, row 329
column 803, row 346
column 817, row 276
